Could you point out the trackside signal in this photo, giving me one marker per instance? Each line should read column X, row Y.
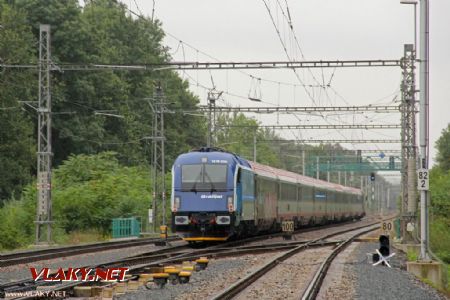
column 382, row 256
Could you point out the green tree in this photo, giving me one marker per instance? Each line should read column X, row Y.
column 91, row 190
column 440, row 195
column 443, row 149
column 88, row 192
column 103, row 32
column 16, row 128
column 235, row 133
column 440, row 212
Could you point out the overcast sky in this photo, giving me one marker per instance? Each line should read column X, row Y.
column 238, row 30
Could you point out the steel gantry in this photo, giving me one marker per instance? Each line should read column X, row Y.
column 222, row 65
column 307, row 109
column 336, row 141
column 346, row 126
column 408, row 136
column 44, row 151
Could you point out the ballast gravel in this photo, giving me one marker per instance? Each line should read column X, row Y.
column 22, row 271
column 219, row 274
column 339, row 282
column 381, row 282
column 289, row 279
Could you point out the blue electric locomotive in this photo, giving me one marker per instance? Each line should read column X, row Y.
column 217, row 194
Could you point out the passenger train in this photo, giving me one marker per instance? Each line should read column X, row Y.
column 217, row 195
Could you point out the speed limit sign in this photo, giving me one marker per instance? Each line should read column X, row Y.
column 387, row 227
column 287, row 226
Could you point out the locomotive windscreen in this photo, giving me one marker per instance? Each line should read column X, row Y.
column 201, row 177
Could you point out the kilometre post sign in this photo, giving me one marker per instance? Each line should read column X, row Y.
column 423, row 180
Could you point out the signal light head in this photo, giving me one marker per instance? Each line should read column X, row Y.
column 384, row 245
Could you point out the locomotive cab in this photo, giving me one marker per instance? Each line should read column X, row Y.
column 204, row 195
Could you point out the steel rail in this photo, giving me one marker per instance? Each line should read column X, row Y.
column 172, row 254
column 49, row 253
column 314, row 286
column 139, row 263
column 240, row 285
column 30, row 284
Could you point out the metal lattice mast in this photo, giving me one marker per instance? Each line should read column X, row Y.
column 44, row 153
column 408, row 88
column 158, row 157
column 213, row 96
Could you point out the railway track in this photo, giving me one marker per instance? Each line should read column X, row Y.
column 51, row 253
column 314, row 285
column 21, row 257
column 179, row 253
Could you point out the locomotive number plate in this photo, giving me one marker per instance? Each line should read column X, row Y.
column 287, row 226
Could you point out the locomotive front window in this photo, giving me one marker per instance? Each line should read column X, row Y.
column 191, row 174
column 215, row 173
column 203, row 177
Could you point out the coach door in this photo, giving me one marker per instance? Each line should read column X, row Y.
column 248, row 194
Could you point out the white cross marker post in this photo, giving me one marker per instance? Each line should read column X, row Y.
column 383, row 259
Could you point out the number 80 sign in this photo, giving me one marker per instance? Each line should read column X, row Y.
column 387, row 227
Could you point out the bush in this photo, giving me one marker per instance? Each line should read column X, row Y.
column 440, row 238
column 88, row 192
column 13, row 232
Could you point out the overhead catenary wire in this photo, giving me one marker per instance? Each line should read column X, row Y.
column 279, row 83
column 288, row 56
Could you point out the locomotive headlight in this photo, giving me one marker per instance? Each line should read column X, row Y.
column 176, row 203
column 230, row 203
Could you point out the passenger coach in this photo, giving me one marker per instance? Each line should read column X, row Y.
column 217, row 194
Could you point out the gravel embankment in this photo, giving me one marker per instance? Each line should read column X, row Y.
column 352, row 276
column 317, row 232
column 220, row 274
column 289, row 278
column 339, row 282
column 22, row 271
column 381, row 282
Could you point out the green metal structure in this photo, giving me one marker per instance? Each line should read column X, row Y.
column 364, row 164
column 125, row 227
